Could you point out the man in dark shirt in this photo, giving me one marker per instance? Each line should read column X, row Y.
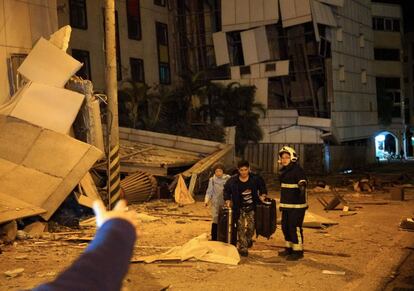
column 243, row 192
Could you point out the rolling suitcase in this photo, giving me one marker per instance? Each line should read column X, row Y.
column 225, row 228
column 265, row 218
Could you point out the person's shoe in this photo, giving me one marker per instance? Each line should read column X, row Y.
column 294, row 256
column 286, row 252
column 243, row 253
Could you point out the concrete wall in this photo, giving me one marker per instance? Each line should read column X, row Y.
column 409, row 72
column 171, row 141
column 394, row 69
column 92, row 39
column 354, row 105
column 22, row 22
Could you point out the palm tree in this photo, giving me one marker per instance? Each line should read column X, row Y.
column 235, row 104
column 133, row 99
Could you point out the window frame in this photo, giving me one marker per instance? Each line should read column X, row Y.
column 79, row 4
column 131, row 18
column 86, row 64
column 140, row 63
column 162, row 40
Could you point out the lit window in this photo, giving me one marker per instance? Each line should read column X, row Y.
column 165, row 74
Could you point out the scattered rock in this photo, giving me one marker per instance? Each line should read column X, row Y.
column 14, row 273
column 329, row 272
column 35, row 229
column 21, row 235
column 8, row 232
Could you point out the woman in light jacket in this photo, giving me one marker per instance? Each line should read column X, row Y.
column 214, row 195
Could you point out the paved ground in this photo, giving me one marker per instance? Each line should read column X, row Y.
column 376, row 254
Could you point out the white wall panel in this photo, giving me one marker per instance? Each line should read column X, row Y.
column 242, row 11
column 271, row 9
column 255, row 45
column 323, row 14
column 228, row 12
column 256, row 11
column 221, row 50
column 294, row 12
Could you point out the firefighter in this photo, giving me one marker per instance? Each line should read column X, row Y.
column 293, row 202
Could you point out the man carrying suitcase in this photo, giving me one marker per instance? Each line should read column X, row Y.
column 243, row 192
column 293, row 203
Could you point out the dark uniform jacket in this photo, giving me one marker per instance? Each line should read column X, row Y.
column 290, row 194
column 231, row 192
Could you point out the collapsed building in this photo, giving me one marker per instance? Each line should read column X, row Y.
column 312, row 63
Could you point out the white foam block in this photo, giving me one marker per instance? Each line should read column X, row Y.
column 49, row 65
column 48, row 107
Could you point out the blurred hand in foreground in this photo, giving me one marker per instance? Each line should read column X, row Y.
column 120, row 211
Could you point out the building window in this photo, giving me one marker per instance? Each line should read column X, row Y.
column 245, row 70
column 137, row 70
column 165, row 76
column 387, row 54
column 235, row 49
column 163, row 52
column 133, row 19
column 342, row 73
column 160, row 2
column 386, row 24
column 83, row 57
column 77, row 14
column 364, row 76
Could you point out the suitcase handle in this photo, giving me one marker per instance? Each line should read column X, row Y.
column 267, row 201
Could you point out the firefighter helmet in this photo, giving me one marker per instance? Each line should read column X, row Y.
column 290, row 151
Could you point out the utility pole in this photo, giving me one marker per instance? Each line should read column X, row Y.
column 114, row 186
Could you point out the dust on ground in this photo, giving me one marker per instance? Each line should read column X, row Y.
column 366, row 251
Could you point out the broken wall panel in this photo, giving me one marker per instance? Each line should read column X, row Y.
column 294, row 12
column 12, row 208
column 49, row 107
column 49, row 65
column 339, row 3
column 221, row 49
column 244, row 14
column 255, row 45
column 39, row 166
column 323, row 14
column 274, row 69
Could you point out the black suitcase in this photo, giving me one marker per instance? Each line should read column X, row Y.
column 226, row 228
column 265, row 218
